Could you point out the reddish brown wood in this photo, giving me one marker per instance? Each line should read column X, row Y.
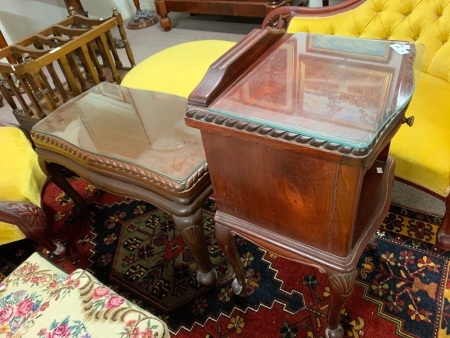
column 4, row 44
column 257, row 8
column 221, row 75
column 31, row 220
column 297, row 196
column 443, row 234
column 183, row 199
column 281, row 16
column 76, row 5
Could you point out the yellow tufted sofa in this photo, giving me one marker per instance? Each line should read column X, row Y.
column 422, row 152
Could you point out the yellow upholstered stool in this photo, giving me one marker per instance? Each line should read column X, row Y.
column 176, row 70
column 21, row 182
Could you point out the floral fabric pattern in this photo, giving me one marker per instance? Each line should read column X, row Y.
column 39, row 300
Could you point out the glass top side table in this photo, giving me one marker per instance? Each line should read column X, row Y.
column 132, row 143
column 301, row 125
column 336, row 89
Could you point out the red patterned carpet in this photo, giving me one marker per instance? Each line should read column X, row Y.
column 402, row 287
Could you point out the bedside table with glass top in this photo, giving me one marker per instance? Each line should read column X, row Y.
column 296, row 130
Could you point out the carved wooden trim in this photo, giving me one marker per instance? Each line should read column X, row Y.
column 203, row 115
column 32, row 215
column 343, row 283
column 125, row 168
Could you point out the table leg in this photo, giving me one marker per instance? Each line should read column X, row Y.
column 443, row 233
column 227, row 243
column 191, row 228
column 341, row 285
column 161, row 9
column 54, row 172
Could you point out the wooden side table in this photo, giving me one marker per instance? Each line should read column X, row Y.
column 132, row 143
column 296, row 130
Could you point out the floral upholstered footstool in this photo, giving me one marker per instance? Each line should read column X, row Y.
column 39, row 300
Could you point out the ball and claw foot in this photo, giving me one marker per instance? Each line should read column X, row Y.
column 207, row 278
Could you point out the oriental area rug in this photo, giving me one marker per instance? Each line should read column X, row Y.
column 402, row 287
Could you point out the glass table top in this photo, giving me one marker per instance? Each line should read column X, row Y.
column 338, row 89
column 140, row 127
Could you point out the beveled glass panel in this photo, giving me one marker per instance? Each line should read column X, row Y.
column 141, row 127
column 338, row 89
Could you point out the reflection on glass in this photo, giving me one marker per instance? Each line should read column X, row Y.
column 339, row 89
column 143, row 128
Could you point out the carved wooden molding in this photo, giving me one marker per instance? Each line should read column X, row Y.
column 128, row 169
column 343, row 283
column 32, row 217
column 206, row 116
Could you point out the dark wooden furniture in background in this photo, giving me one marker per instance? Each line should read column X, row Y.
column 142, row 18
column 256, row 8
column 4, row 44
column 296, row 136
column 76, row 5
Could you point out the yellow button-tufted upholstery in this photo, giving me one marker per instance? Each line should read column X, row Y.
column 424, row 21
column 423, row 151
column 21, row 178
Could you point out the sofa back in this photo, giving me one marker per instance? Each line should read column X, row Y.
column 422, row 21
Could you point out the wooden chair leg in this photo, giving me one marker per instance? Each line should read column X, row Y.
column 123, row 36
column 443, row 234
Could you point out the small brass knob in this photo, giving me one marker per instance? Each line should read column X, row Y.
column 409, row 120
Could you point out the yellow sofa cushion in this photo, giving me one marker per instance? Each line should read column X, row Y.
column 417, row 161
column 21, row 178
column 423, row 21
column 176, row 70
